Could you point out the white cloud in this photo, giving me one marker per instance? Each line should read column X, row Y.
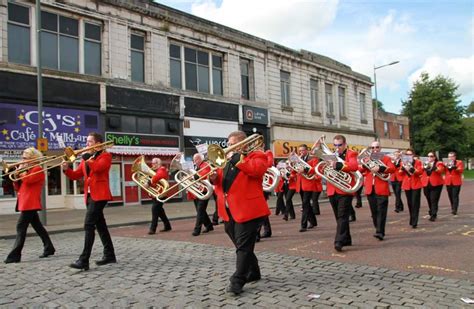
column 460, row 70
column 282, row 21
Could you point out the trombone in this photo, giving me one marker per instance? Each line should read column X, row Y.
column 14, row 170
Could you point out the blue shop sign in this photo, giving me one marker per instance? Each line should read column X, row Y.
column 19, row 126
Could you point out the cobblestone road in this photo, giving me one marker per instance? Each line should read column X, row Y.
column 161, row 273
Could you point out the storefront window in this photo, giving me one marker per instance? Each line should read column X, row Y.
column 71, row 183
column 6, row 187
column 54, row 181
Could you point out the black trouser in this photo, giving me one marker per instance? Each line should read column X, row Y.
column 243, row 235
column 308, row 214
column 453, row 194
column 359, row 197
column 202, row 218
column 267, row 228
column 280, row 205
column 397, row 190
column 341, row 206
column 215, row 216
column 157, row 210
column 315, row 199
column 413, row 200
column 26, row 218
column 432, row 194
column 290, row 210
column 95, row 219
column 378, row 208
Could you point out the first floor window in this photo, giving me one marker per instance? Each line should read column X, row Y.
column 363, row 112
column 137, row 49
column 18, row 34
column 285, row 88
column 329, row 100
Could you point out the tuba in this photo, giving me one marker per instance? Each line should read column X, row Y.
column 142, row 175
column 271, row 179
column 365, row 158
column 296, row 163
column 339, row 179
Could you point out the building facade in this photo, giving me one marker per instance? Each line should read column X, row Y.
column 393, row 130
column 157, row 81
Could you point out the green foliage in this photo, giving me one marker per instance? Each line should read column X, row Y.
column 435, row 117
column 470, row 110
column 379, row 105
column 468, row 124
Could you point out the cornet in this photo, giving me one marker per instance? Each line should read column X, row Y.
column 366, row 160
column 341, row 180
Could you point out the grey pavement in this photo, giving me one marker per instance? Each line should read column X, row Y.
column 174, row 274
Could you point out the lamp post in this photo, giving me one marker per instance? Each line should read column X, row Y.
column 375, row 83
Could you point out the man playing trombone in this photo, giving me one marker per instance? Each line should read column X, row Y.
column 202, row 218
column 157, row 209
column 94, row 168
column 241, row 205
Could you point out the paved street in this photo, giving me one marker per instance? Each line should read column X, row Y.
column 430, row 267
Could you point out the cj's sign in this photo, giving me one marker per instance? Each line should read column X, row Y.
column 20, row 129
column 255, row 115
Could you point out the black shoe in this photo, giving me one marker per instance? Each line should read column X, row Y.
column 266, row 235
column 234, row 288
column 196, row 233
column 80, row 265
column 47, row 253
column 106, row 260
column 338, row 247
column 310, row 226
column 253, row 277
column 358, row 206
column 12, row 260
column 432, row 219
column 379, row 236
column 414, row 226
column 151, row 232
column 166, row 229
column 352, row 219
column 208, row 229
column 285, row 218
column 292, row 218
column 257, row 239
column 454, row 213
column 347, row 243
column 397, row 210
column 215, row 223
column 303, row 229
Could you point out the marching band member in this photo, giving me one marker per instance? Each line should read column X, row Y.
column 341, row 201
column 290, row 209
column 28, row 203
column 453, row 180
column 315, row 197
column 202, row 218
column 281, row 191
column 307, row 187
column 242, row 206
column 412, row 186
column 396, row 179
column 267, row 228
column 433, row 183
column 94, row 168
column 377, row 191
column 157, row 209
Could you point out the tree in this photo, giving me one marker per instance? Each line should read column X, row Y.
column 379, row 105
column 470, row 110
column 435, row 117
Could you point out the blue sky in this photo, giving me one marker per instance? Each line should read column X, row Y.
column 432, row 36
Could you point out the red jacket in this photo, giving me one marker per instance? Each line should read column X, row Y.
column 454, row 177
column 279, row 188
column 370, row 180
column 203, row 169
column 97, row 182
column 245, row 196
column 413, row 182
column 270, row 159
column 309, row 185
column 292, row 181
column 29, row 191
column 396, row 175
column 436, row 177
column 350, row 165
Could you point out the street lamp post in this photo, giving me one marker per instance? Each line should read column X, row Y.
column 375, row 86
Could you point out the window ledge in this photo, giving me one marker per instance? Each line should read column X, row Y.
column 364, row 121
column 287, row 108
column 330, row 116
column 316, row 114
column 343, row 118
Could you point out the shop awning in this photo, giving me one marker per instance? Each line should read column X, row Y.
column 149, row 151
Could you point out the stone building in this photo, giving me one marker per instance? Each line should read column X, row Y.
column 156, row 81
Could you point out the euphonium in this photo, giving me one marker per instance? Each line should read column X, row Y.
column 142, row 175
column 366, row 160
column 296, row 163
column 341, row 180
column 271, row 179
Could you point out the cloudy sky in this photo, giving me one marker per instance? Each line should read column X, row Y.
column 435, row 36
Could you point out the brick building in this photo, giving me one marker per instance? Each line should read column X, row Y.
column 392, row 130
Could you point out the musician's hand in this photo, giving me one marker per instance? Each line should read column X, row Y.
column 332, row 164
column 375, row 169
column 65, row 166
column 213, row 176
column 300, row 169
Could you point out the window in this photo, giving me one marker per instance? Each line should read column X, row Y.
column 342, row 101
column 245, row 79
column 202, row 69
column 18, row 34
column 385, row 129
column 329, row 100
column 59, row 42
column 400, row 129
column 137, row 49
column 92, row 49
column 175, row 66
column 363, row 112
column 54, row 181
column 313, row 86
column 144, row 125
column 285, row 88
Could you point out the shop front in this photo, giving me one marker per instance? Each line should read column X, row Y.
column 62, row 127
column 256, row 120
column 127, row 148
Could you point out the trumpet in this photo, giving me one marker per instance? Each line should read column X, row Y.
column 369, row 163
column 142, row 175
column 341, row 180
column 296, row 163
column 271, row 179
